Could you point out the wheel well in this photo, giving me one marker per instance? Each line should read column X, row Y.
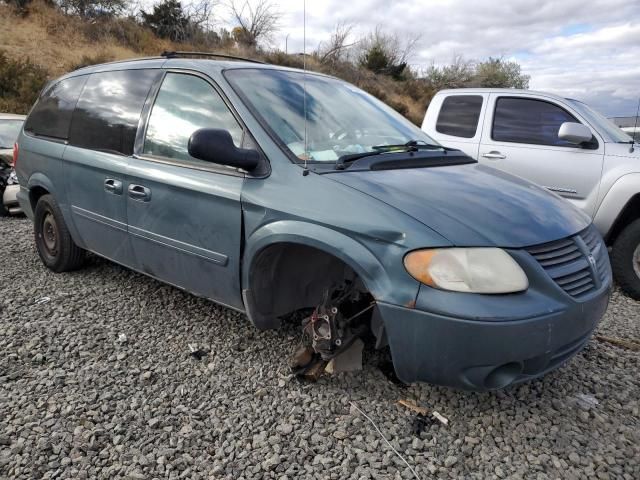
column 630, row 212
column 286, row 277
column 34, row 195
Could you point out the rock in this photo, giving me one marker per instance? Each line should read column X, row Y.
column 450, row 461
column 284, row 429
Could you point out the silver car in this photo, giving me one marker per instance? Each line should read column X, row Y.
column 10, row 126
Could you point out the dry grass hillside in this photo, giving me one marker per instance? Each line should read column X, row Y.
column 59, row 43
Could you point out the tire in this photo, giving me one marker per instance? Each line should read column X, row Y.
column 625, row 259
column 54, row 243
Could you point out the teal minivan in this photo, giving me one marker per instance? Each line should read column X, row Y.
column 272, row 190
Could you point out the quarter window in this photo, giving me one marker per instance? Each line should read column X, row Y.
column 185, row 103
column 106, row 117
column 51, row 116
column 459, row 115
column 523, row 120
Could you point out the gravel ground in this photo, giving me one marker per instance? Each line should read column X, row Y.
column 98, row 382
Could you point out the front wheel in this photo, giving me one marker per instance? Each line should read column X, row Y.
column 625, row 259
column 53, row 241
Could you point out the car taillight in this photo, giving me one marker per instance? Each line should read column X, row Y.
column 15, row 155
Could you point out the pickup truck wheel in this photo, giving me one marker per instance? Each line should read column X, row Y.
column 625, row 259
column 53, row 241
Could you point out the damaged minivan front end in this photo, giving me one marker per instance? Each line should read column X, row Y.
column 474, row 278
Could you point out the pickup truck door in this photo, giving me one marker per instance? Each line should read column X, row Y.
column 520, row 136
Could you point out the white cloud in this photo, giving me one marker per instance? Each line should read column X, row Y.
column 585, row 49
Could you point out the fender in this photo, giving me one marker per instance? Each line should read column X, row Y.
column 39, row 179
column 356, row 255
column 615, row 201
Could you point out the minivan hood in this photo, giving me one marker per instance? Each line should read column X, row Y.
column 472, row 205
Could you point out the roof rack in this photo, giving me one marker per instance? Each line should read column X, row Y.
column 206, row 54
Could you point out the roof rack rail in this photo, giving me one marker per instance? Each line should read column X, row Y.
column 206, row 54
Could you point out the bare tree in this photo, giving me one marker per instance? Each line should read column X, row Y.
column 335, row 48
column 257, row 20
column 200, row 14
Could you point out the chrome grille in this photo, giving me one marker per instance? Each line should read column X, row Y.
column 567, row 262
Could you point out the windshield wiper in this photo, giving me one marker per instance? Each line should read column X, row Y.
column 410, row 146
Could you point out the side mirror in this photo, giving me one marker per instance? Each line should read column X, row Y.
column 574, row 133
column 216, row 146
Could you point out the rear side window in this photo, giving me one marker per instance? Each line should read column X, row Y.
column 107, row 114
column 51, row 116
column 459, row 115
column 524, row 120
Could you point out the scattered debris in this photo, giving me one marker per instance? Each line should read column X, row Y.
column 423, row 417
column 315, row 370
column 411, row 405
column 619, row 342
column 301, row 358
column 444, row 420
column 349, row 360
column 122, row 338
column 196, row 352
column 415, row 474
column 42, row 300
column 420, row 423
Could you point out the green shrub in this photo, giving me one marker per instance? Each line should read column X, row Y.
column 20, row 83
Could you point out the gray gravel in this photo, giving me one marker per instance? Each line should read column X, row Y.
column 98, row 382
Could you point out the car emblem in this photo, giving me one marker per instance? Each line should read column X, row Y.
column 592, row 260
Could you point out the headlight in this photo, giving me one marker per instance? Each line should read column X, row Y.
column 474, row 270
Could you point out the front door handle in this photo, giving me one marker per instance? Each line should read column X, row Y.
column 494, row 155
column 140, row 193
column 112, row 185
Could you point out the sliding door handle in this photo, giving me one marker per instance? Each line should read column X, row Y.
column 140, row 193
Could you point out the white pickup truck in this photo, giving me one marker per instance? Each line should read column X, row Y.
column 559, row 143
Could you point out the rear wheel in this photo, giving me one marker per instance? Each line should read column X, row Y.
column 625, row 259
column 53, row 241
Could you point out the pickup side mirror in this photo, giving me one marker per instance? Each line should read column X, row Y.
column 216, row 146
column 576, row 133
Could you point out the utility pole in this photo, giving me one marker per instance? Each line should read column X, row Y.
column 286, row 43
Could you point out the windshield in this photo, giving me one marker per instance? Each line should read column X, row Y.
column 605, row 126
column 9, row 130
column 341, row 119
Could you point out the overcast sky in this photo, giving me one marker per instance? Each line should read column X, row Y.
column 585, row 49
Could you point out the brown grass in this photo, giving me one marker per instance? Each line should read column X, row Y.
column 60, row 43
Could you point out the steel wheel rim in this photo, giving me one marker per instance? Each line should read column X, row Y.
column 636, row 261
column 50, row 234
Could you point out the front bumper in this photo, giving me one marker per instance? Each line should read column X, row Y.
column 488, row 354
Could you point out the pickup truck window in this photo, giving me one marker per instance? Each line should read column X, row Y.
column 459, row 115
column 524, row 120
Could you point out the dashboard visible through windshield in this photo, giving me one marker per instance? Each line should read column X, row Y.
column 340, row 118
